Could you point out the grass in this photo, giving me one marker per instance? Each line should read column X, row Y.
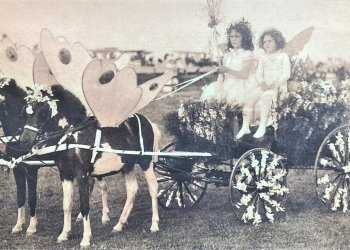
column 211, row 225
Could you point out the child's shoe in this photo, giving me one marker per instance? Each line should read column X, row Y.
column 242, row 132
column 260, row 132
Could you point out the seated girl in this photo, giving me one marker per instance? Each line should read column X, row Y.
column 272, row 74
column 235, row 78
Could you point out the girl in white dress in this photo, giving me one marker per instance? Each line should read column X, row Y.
column 272, row 74
column 235, row 78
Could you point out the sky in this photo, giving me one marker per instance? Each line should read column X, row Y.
column 174, row 25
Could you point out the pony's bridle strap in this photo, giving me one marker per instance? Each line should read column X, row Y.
column 31, row 128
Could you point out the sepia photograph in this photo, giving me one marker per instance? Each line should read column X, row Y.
column 174, row 124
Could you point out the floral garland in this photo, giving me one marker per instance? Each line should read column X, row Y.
column 43, row 94
column 302, row 119
column 203, row 123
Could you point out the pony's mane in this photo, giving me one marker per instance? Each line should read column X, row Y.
column 13, row 89
column 69, row 105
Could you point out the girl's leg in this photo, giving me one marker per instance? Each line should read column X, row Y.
column 248, row 111
column 265, row 107
column 247, row 116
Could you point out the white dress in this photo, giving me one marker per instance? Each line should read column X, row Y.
column 233, row 89
column 274, row 68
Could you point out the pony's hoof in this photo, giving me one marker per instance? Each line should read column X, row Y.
column 16, row 229
column 154, row 228
column 62, row 238
column 85, row 243
column 105, row 219
column 30, row 232
column 118, row 228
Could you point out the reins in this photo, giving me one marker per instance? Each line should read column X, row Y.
column 61, row 133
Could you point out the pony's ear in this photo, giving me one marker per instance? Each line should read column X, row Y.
column 29, row 89
column 298, row 42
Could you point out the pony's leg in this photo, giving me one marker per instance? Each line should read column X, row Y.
column 21, row 197
column 32, row 178
column 105, row 210
column 67, row 186
column 91, row 188
column 153, row 190
column 131, row 190
column 84, row 193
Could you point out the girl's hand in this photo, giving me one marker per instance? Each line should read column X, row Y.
column 223, row 70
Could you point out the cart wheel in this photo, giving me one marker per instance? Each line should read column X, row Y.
column 258, row 186
column 181, row 181
column 332, row 170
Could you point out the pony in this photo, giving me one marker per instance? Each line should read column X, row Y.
column 13, row 119
column 58, row 117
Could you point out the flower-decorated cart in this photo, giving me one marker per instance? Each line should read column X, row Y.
column 307, row 131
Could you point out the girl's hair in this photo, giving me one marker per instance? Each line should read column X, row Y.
column 276, row 35
column 242, row 27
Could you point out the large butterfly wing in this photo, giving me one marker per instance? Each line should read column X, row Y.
column 151, row 88
column 66, row 62
column 298, row 42
column 41, row 72
column 111, row 94
column 16, row 62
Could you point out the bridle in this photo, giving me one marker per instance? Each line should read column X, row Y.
column 43, row 138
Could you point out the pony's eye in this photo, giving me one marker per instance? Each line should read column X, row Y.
column 29, row 110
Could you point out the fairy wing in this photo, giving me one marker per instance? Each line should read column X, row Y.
column 150, row 90
column 111, row 94
column 298, row 42
column 114, row 95
column 16, row 62
column 66, row 62
column 42, row 74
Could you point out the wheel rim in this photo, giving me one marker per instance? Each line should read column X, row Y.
column 332, row 170
column 258, row 186
column 179, row 188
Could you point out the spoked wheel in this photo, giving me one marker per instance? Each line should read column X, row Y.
column 181, row 182
column 332, row 170
column 258, row 186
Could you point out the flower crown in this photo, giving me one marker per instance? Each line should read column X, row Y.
column 38, row 94
column 41, row 94
column 241, row 24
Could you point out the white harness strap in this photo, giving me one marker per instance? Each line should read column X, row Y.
column 5, row 139
column 31, row 128
column 140, row 135
column 96, row 145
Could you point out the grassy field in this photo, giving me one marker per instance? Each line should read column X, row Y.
column 211, row 225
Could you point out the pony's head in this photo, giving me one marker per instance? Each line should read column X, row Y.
column 41, row 109
column 12, row 115
column 50, row 110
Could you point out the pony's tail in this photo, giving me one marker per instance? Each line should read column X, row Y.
column 156, row 141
